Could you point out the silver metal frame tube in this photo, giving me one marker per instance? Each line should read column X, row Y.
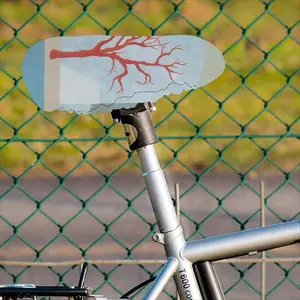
column 243, row 242
column 162, row 279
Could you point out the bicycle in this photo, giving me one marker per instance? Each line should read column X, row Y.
column 189, row 263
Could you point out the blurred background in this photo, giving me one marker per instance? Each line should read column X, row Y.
column 69, row 187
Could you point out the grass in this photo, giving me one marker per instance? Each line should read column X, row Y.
column 271, row 79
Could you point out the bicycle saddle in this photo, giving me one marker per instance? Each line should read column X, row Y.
column 98, row 73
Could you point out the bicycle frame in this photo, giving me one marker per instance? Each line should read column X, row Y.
column 181, row 254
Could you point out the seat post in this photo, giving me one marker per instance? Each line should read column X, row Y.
column 141, row 136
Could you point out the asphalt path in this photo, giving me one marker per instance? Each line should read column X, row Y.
column 130, row 228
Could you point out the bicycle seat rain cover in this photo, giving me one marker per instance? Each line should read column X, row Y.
column 99, row 73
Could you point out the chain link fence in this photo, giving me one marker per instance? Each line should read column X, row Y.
column 66, row 181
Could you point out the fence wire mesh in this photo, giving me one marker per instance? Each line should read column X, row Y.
column 63, row 192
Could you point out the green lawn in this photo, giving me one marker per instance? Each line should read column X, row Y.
column 260, row 93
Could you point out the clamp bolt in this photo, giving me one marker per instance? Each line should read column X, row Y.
column 158, row 237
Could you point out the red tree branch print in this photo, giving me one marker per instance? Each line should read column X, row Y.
column 102, row 49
